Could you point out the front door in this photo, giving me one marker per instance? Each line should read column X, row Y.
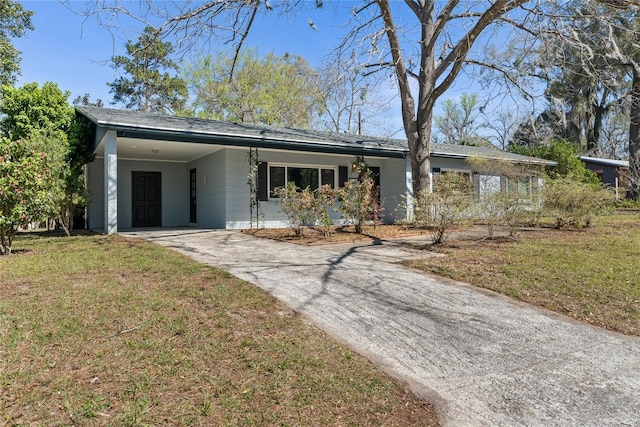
column 192, row 196
column 146, row 195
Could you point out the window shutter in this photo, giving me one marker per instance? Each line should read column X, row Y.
column 263, row 193
column 343, row 175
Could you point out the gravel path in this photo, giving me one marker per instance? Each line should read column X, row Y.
column 482, row 359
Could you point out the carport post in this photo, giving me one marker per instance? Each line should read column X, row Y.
column 110, row 183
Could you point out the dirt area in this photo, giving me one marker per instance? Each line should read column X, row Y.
column 347, row 234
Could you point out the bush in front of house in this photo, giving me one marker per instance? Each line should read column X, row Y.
column 444, row 208
column 306, row 207
column 574, row 202
column 358, row 201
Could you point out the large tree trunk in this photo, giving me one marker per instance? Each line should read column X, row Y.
column 633, row 190
column 419, row 148
column 417, row 122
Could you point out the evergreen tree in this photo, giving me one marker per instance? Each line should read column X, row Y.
column 148, row 85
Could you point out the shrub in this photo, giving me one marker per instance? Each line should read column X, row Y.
column 25, row 188
column 306, row 207
column 444, row 207
column 358, row 201
column 572, row 202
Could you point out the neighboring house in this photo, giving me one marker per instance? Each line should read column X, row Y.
column 164, row 171
column 614, row 173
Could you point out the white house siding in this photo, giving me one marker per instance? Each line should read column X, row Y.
column 237, row 189
column 395, row 188
column 175, row 191
column 210, row 189
column 445, row 164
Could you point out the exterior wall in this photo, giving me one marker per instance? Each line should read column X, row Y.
column 607, row 173
column 210, row 190
column 395, row 188
column 175, row 191
column 175, row 185
column 95, row 171
column 237, row 190
column 445, row 164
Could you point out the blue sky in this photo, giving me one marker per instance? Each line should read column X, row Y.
column 75, row 55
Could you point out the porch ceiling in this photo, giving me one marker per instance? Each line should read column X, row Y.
column 156, row 150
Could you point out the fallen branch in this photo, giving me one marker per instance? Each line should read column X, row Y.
column 124, row 331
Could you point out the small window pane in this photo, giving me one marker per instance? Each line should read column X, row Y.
column 328, row 177
column 303, row 177
column 276, row 179
column 520, row 186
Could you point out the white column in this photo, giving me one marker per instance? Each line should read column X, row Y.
column 408, row 177
column 110, row 183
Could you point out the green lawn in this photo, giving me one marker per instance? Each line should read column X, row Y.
column 590, row 274
column 101, row 330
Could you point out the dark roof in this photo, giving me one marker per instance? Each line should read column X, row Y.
column 136, row 124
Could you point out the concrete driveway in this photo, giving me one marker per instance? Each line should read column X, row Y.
column 482, row 359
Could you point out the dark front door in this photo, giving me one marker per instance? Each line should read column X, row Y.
column 192, row 196
column 147, row 207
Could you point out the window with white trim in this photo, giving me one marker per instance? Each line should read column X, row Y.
column 311, row 177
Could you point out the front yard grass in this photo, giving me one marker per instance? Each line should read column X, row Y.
column 99, row 330
column 590, row 274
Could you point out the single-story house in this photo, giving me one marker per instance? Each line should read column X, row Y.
column 163, row 171
column 614, row 173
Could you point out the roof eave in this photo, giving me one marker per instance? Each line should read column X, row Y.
column 243, row 141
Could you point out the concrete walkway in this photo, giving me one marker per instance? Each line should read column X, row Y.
column 482, row 359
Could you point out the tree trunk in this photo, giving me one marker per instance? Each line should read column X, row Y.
column 419, row 147
column 633, row 190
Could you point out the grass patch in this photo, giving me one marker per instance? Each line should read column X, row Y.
column 99, row 330
column 591, row 274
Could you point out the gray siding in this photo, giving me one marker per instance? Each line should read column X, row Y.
column 175, row 191
column 210, row 189
column 95, row 171
column 175, row 196
column 237, row 190
column 395, row 186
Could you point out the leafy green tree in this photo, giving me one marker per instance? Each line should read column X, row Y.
column 26, row 182
column 32, row 109
column 584, row 86
column 40, row 120
column 149, row 85
column 14, row 22
column 566, row 155
column 270, row 90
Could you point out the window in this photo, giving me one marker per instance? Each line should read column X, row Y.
column 302, row 177
column 519, row 186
